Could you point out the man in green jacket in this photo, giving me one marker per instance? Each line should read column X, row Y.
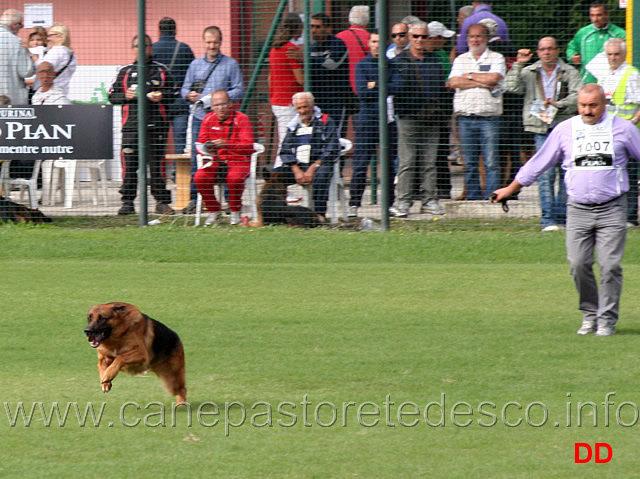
column 589, row 41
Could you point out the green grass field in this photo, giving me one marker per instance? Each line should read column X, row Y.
column 315, row 354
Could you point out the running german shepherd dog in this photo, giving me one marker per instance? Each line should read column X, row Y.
column 130, row 341
column 273, row 208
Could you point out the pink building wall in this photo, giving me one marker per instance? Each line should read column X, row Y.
column 101, row 31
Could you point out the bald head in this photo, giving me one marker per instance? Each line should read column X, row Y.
column 591, row 103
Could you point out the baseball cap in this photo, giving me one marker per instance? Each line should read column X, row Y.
column 437, row 29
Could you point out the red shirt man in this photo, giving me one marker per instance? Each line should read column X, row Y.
column 356, row 39
column 226, row 137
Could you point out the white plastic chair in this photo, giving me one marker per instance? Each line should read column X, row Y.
column 70, row 180
column 336, row 188
column 30, row 183
column 250, row 185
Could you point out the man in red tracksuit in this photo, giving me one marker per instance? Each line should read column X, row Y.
column 226, row 141
column 160, row 93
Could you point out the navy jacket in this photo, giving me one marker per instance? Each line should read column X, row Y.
column 330, row 74
column 324, row 141
column 416, row 85
column 367, row 71
column 163, row 51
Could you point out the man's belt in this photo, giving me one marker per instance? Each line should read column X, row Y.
column 595, row 205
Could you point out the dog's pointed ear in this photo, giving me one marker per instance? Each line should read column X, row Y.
column 120, row 308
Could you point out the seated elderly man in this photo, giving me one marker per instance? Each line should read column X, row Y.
column 226, row 140
column 309, row 150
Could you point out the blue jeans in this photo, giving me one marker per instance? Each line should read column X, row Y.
column 180, row 123
column 480, row 134
column 553, row 204
column 366, row 140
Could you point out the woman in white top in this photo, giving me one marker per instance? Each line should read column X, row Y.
column 60, row 55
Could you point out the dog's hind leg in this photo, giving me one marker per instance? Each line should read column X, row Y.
column 172, row 374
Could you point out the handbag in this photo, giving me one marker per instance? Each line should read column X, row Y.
column 198, row 85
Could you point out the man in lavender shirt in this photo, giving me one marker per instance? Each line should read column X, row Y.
column 594, row 148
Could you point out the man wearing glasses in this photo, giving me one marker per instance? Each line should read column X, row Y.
column 159, row 92
column 400, row 39
column 47, row 94
column 17, row 62
column 550, row 88
column 417, row 86
column 226, row 141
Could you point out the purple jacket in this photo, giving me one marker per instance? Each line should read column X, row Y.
column 480, row 12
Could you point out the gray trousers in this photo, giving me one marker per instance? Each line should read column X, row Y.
column 600, row 229
column 418, row 138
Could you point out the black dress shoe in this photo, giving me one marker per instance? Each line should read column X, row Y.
column 127, row 209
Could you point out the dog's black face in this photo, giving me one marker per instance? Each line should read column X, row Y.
column 99, row 327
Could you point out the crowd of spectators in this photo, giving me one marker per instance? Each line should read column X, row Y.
column 454, row 99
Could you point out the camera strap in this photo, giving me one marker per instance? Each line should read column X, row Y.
column 213, row 67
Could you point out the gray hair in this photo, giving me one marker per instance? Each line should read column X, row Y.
column 466, row 11
column 616, row 41
column 11, row 16
column 359, row 15
column 419, row 25
column 409, row 20
column 303, row 95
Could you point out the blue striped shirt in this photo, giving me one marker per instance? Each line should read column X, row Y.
column 226, row 76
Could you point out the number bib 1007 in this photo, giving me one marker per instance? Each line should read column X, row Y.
column 593, row 144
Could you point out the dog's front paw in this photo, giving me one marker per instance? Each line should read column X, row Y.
column 106, row 386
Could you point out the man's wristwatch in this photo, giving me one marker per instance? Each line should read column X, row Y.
column 470, row 76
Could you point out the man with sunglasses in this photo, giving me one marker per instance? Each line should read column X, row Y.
column 17, row 62
column 417, row 85
column 400, row 39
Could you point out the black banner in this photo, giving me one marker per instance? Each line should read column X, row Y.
column 49, row 132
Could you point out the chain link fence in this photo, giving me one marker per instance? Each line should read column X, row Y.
column 73, row 136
